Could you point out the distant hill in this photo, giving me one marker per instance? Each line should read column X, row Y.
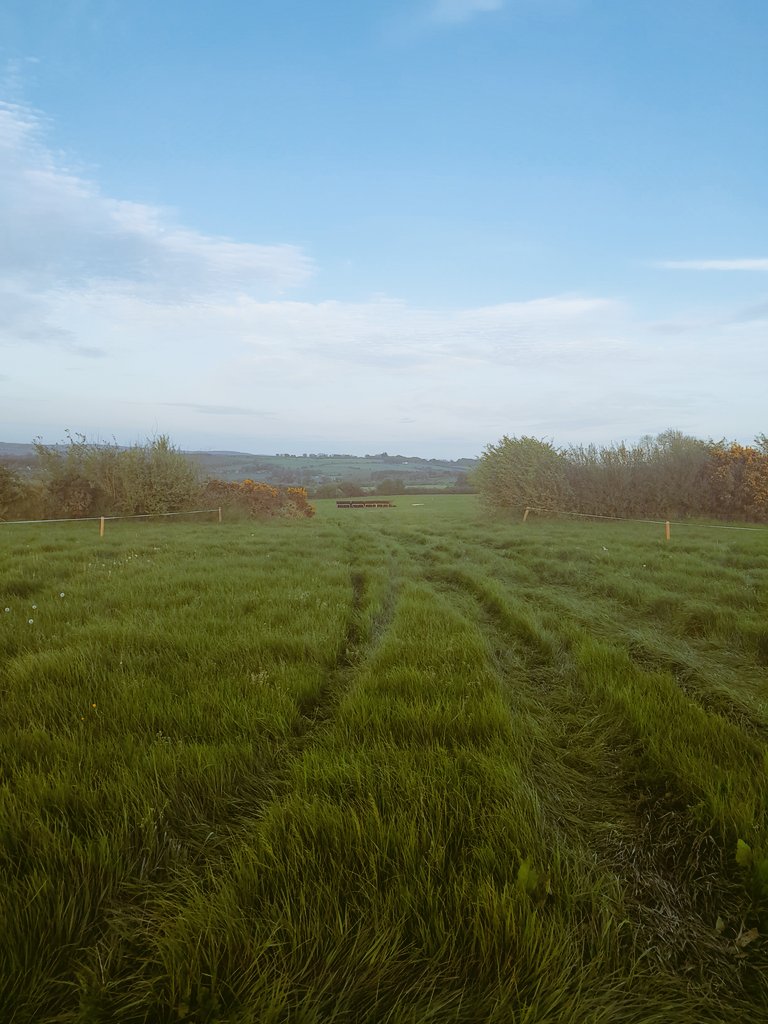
column 316, row 468
column 19, row 457
column 310, row 470
column 8, row 450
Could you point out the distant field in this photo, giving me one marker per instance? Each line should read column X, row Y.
column 313, row 469
column 404, row 766
column 309, row 470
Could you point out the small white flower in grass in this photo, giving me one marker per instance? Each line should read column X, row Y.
column 30, row 621
column 61, row 594
column 7, row 609
column 34, row 607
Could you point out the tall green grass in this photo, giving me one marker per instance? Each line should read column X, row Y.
column 406, row 765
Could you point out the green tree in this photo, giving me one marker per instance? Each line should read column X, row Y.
column 12, row 493
column 327, row 491
column 81, row 478
column 349, row 489
column 660, row 475
column 522, row 471
column 390, row 486
column 462, row 484
column 69, row 487
column 680, row 469
column 157, row 477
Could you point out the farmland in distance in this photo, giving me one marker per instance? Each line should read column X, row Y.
column 406, row 765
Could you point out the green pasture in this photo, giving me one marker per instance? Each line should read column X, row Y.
column 389, row 766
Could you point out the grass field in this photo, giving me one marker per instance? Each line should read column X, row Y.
column 402, row 766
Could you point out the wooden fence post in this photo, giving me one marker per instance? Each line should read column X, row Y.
column 525, row 514
column 219, row 515
column 667, row 530
column 101, row 526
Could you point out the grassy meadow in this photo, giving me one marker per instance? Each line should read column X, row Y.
column 383, row 767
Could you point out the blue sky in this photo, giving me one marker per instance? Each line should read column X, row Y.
column 283, row 226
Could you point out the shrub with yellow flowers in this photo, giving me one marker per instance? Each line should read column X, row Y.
column 738, row 481
column 259, row 500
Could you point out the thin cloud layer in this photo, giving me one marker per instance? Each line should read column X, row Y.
column 59, row 230
column 149, row 326
column 268, row 375
column 747, row 264
column 218, row 410
column 393, row 334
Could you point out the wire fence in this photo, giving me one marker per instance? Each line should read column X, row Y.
column 667, row 523
column 101, row 520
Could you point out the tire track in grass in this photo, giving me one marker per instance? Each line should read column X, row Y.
column 374, row 595
column 374, row 599
column 692, row 667
column 676, row 880
column 110, row 963
column 646, row 652
column 617, row 609
column 702, row 785
column 677, row 876
column 317, row 708
column 690, row 660
column 326, row 880
column 387, row 811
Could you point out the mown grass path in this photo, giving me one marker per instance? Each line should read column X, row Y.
column 409, row 765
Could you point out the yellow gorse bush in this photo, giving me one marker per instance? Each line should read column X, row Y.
column 260, row 500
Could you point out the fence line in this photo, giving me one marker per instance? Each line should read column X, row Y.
column 103, row 519
column 655, row 522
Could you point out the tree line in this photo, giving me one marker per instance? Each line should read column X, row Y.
column 79, row 478
column 672, row 475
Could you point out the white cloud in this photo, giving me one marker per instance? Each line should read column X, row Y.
column 747, row 264
column 454, row 11
column 240, row 373
column 60, row 230
column 196, row 341
column 219, row 410
column 237, row 372
column 382, row 333
column 757, row 312
column 389, row 333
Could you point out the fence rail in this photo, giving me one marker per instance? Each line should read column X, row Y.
column 101, row 520
column 666, row 523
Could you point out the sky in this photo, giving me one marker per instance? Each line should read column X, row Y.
column 414, row 227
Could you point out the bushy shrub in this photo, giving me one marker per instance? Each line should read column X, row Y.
column 19, row 498
column 671, row 475
column 522, row 471
column 82, row 478
column 737, row 479
column 258, row 500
